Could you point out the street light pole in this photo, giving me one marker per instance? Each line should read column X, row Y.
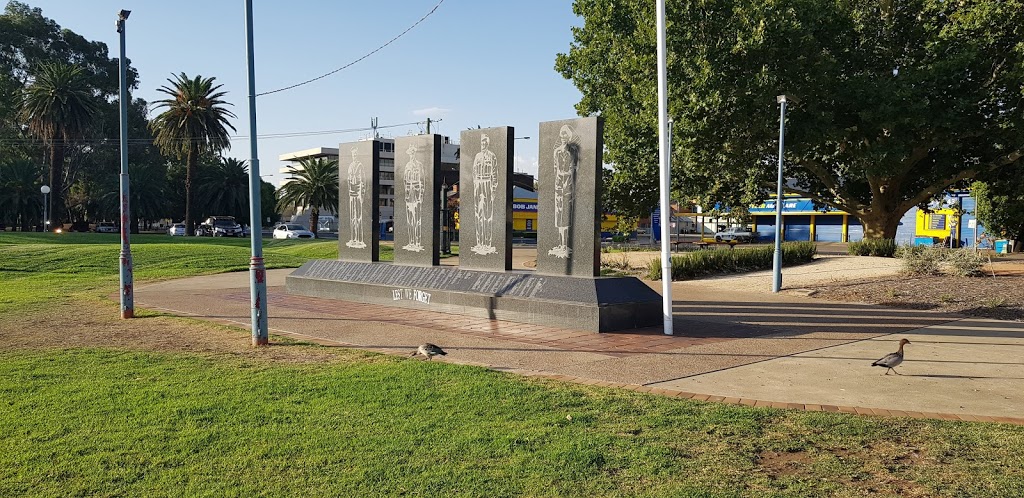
column 777, row 262
column 45, row 189
column 127, row 294
column 257, row 269
column 664, row 152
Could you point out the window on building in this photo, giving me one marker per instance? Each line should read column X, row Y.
column 387, row 175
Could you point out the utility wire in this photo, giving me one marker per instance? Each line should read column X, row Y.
column 389, row 42
column 136, row 141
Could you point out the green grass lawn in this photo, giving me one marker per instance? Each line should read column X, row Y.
column 127, row 422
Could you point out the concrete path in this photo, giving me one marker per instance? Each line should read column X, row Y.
column 734, row 342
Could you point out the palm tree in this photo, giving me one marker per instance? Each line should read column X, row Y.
column 19, row 193
column 313, row 183
column 58, row 106
column 195, row 120
column 224, row 186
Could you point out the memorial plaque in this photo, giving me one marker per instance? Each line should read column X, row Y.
column 569, row 197
column 417, row 200
column 485, row 176
column 358, row 205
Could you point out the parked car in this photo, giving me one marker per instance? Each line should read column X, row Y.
column 219, row 226
column 106, row 227
column 176, row 229
column 292, row 231
column 734, row 234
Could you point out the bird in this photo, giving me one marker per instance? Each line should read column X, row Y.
column 429, row 350
column 892, row 360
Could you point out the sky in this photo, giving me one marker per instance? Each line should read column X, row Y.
column 470, row 63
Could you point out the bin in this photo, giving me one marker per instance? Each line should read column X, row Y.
column 1001, row 246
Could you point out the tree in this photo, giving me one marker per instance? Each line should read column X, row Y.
column 314, row 184
column 225, row 188
column 194, row 120
column 59, row 107
column 20, row 201
column 1000, row 204
column 897, row 100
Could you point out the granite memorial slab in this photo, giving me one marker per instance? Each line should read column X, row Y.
column 598, row 304
column 358, row 204
column 569, row 197
column 417, row 200
column 485, row 176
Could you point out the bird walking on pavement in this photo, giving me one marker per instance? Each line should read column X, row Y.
column 429, row 350
column 892, row 360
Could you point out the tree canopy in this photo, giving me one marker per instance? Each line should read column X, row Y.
column 897, row 100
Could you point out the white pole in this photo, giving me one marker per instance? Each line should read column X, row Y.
column 663, row 153
column 777, row 261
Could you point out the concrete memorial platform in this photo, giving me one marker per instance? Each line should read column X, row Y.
column 599, row 304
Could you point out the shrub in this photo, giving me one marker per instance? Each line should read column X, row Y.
column 921, row 260
column 872, row 247
column 709, row 262
column 963, row 262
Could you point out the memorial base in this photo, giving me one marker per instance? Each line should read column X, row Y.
column 598, row 304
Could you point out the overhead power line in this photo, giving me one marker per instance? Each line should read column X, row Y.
column 389, row 42
column 137, row 141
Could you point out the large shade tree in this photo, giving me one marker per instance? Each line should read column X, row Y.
column 897, row 100
column 312, row 183
column 194, row 120
column 58, row 107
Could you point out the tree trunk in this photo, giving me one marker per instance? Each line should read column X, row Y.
column 314, row 219
column 190, row 170
column 880, row 225
column 56, row 185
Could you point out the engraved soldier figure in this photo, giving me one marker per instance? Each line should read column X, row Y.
column 413, row 181
column 566, row 154
column 485, row 184
column 356, row 188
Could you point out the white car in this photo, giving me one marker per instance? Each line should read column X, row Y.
column 292, row 231
column 176, row 229
column 106, row 227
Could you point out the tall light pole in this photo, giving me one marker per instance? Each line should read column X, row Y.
column 257, row 270
column 663, row 152
column 777, row 262
column 127, row 294
column 45, row 189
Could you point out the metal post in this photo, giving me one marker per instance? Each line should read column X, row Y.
column 257, row 270
column 777, row 262
column 664, row 153
column 45, row 189
column 127, row 294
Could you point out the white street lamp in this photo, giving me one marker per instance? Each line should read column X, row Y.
column 777, row 261
column 45, row 189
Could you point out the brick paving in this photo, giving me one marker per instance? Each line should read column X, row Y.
column 716, row 333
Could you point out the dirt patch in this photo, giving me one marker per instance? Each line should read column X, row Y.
column 96, row 323
column 874, row 474
column 1000, row 297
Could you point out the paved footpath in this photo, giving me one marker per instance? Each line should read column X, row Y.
column 734, row 343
